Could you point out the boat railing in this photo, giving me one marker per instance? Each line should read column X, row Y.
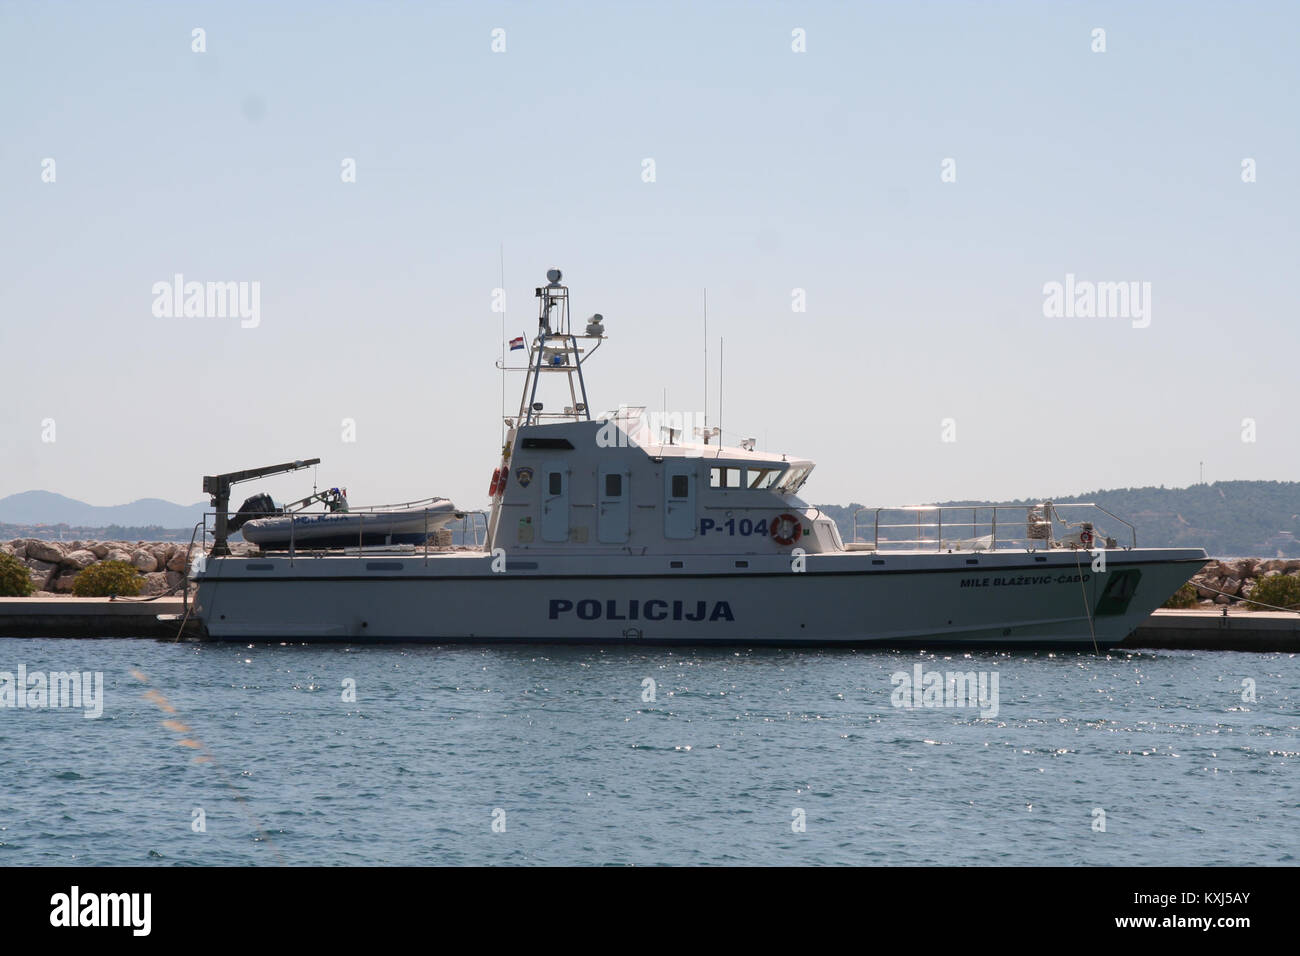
column 984, row 527
column 399, row 506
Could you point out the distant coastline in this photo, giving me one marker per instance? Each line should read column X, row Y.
column 69, row 533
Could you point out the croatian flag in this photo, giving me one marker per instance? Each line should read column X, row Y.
column 517, row 343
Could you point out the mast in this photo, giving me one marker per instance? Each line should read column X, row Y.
column 556, row 350
column 706, row 366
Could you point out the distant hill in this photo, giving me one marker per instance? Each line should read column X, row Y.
column 46, row 507
column 1227, row 518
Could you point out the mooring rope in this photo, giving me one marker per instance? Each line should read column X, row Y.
column 139, row 600
column 1087, row 610
column 1271, row 607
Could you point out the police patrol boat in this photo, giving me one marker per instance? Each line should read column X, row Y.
column 601, row 531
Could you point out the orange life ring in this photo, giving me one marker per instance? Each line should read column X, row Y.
column 496, row 482
column 779, row 523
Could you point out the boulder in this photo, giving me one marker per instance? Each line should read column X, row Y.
column 178, row 561
column 174, row 578
column 62, row 583
column 1231, row 586
column 38, row 578
column 79, row 559
column 99, row 549
column 1221, row 599
column 117, row 554
column 144, row 561
column 44, row 550
column 155, row 582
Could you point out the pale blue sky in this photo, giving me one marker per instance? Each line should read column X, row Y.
column 775, row 170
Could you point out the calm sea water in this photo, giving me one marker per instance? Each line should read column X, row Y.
column 581, row 770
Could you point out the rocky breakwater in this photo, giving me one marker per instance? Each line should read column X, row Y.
column 54, row 565
column 1229, row 582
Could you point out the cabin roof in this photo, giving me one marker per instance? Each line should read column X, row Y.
column 633, row 420
column 726, row 453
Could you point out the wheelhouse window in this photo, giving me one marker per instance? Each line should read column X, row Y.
column 794, row 480
column 762, row 478
column 725, row 477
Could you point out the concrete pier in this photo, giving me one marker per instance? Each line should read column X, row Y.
column 1198, row 630
column 92, row 617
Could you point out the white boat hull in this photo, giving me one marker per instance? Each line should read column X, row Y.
column 901, row 599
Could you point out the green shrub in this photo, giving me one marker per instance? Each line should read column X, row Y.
column 107, row 578
column 1281, row 590
column 1183, row 598
column 14, row 579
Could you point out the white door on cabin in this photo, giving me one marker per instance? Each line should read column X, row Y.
column 679, row 499
column 555, row 501
column 613, row 509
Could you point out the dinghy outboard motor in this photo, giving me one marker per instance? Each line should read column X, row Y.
column 258, row 506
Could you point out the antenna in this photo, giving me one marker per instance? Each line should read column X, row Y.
column 706, row 366
column 721, row 343
column 503, row 343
